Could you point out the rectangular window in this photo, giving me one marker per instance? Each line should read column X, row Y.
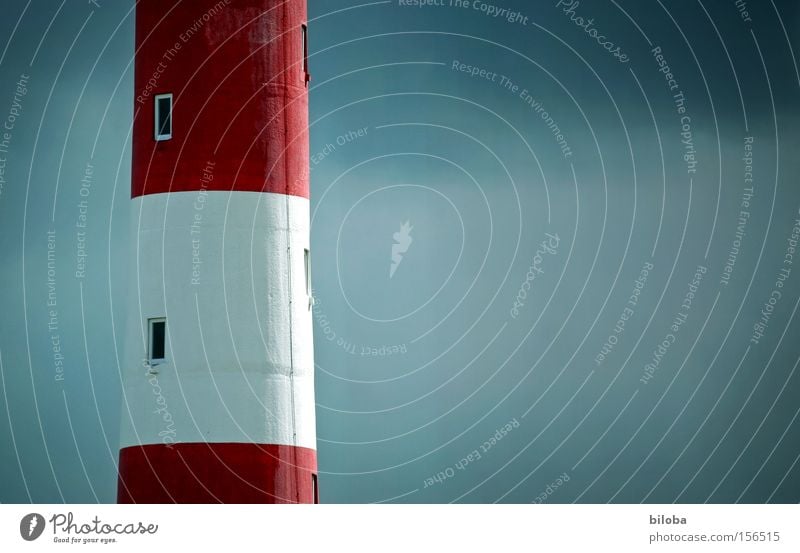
column 308, row 271
column 157, row 340
column 163, row 117
column 306, row 76
column 315, row 488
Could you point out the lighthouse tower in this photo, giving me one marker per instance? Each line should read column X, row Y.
column 218, row 365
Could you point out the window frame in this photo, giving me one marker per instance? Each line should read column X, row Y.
column 315, row 488
column 307, row 267
column 157, row 111
column 304, row 32
column 151, row 322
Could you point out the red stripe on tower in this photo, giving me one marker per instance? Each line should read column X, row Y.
column 218, row 399
column 236, row 71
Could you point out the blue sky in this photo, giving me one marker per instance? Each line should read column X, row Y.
column 445, row 117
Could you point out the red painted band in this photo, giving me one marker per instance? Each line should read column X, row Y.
column 217, row 473
column 240, row 102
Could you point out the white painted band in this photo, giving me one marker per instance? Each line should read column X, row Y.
column 227, row 270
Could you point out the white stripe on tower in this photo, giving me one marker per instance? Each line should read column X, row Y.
column 224, row 292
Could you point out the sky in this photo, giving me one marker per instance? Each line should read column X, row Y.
column 553, row 257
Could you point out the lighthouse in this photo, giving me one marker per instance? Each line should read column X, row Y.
column 217, row 364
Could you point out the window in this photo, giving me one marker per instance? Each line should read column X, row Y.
column 306, row 76
column 157, row 340
column 315, row 488
column 308, row 271
column 163, row 117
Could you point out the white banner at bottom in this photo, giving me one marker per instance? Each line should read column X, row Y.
column 390, row 528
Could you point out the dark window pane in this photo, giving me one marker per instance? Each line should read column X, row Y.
column 158, row 331
column 314, row 488
column 305, row 53
column 308, row 272
column 164, row 116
